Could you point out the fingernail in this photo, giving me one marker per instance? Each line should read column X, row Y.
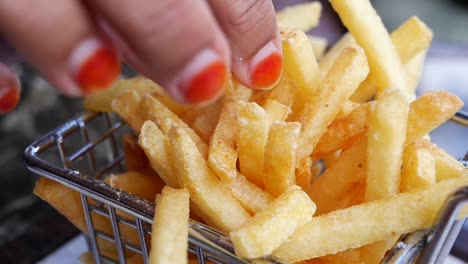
column 266, row 67
column 94, row 65
column 9, row 97
column 202, row 80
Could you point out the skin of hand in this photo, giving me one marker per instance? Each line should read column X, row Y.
column 189, row 47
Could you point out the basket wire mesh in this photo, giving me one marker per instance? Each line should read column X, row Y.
column 81, row 152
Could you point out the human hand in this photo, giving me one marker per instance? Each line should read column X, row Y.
column 186, row 46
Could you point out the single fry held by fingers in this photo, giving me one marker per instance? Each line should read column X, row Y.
column 169, row 240
column 252, row 137
column 259, row 236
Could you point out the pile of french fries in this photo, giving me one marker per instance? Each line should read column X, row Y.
column 330, row 166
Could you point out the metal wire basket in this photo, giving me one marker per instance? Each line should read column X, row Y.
column 82, row 151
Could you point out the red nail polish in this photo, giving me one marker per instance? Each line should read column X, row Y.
column 268, row 71
column 9, row 98
column 95, row 65
column 207, row 84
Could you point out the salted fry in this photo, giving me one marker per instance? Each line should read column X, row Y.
column 302, row 16
column 205, row 188
column 249, row 195
column 283, row 93
column 169, row 239
column 418, row 169
column 275, row 111
column 349, row 70
column 128, row 107
column 259, row 236
column 345, row 228
column 280, row 157
column 252, row 137
column 387, row 133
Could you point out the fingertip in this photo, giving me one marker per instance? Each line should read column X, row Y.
column 94, row 65
column 9, row 90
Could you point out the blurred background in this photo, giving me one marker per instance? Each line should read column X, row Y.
column 31, row 230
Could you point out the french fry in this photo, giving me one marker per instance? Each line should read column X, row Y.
column 318, row 44
column 205, row 188
column 341, row 81
column 413, row 70
column 275, row 111
column 371, row 35
column 160, row 114
column 252, row 137
column 249, row 195
column 300, row 65
column 445, row 165
column 328, row 189
column 429, row 111
column 418, row 169
column 327, row 61
column 283, row 92
column 205, row 122
column 128, row 107
column 304, row 16
column 259, row 236
column 155, row 144
column 222, row 156
column 344, row 131
column 169, row 239
column 101, row 101
column 345, row 228
column 280, row 157
column 387, row 133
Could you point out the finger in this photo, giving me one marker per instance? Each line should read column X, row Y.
column 62, row 42
column 9, row 90
column 250, row 26
column 178, row 43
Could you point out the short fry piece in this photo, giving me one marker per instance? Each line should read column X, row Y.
column 252, row 137
column 205, row 188
column 270, row 228
column 169, row 240
column 275, row 111
column 302, row 16
column 280, row 157
column 157, row 149
column 222, row 153
column 387, row 133
column 418, row 169
column 345, row 228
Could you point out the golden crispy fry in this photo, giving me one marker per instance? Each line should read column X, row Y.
column 222, row 156
column 343, row 229
column 259, row 236
column 128, row 107
column 252, row 137
column 205, row 188
column 169, row 240
column 371, row 35
column 283, row 92
column 387, row 133
column 135, row 157
column 157, row 149
column 304, row 16
column 300, row 65
column 349, row 70
column 344, row 131
column 205, row 122
column 249, row 195
column 429, row 111
column 327, row 190
column 418, row 169
column 329, row 58
column 280, row 157
column 445, row 165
